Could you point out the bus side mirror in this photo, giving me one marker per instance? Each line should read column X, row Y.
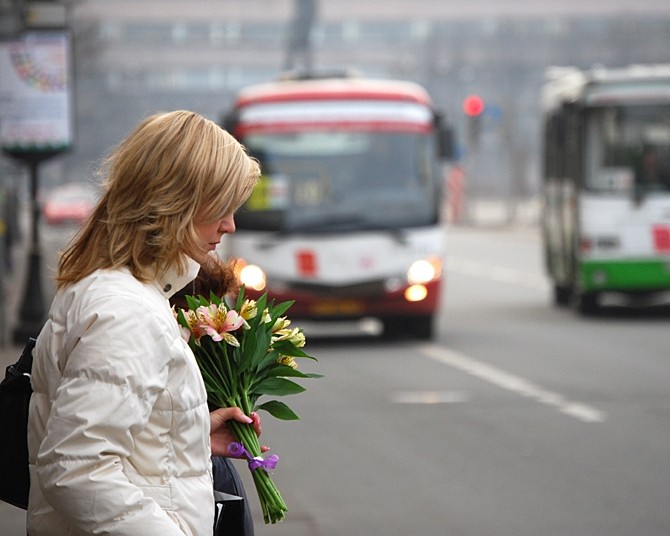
column 229, row 121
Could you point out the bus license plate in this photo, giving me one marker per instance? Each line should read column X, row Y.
column 337, row 307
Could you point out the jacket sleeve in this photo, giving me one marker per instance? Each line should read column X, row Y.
column 110, row 382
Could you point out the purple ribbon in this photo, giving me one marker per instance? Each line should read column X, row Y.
column 236, row 450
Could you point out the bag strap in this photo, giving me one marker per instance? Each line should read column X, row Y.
column 25, row 363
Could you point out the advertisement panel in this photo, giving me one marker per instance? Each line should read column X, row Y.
column 35, row 96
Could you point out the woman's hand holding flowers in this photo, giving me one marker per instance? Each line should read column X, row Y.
column 221, row 434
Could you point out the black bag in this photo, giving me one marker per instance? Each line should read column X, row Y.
column 15, row 392
column 229, row 515
column 228, row 481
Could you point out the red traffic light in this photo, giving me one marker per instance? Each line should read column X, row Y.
column 473, row 105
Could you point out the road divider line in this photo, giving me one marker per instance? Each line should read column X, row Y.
column 429, row 397
column 513, row 383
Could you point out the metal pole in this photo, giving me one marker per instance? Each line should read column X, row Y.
column 32, row 310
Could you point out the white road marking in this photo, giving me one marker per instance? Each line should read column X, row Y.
column 513, row 383
column 497, row 273
column 429, row 397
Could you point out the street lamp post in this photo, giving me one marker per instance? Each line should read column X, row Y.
column 32, row 309
column 35, row 122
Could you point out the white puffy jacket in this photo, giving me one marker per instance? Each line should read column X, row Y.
column 118, row 433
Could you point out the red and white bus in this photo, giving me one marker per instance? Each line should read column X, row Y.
column 346, row 217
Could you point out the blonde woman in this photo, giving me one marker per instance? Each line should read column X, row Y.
column 119, row 434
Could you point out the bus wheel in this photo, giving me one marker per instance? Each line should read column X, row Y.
column 416, row 327
column 586, row 302
column 562, row 295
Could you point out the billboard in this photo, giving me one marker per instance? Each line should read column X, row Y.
column 35, row 93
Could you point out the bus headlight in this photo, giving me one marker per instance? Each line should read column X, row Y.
column 424, row 270
column 251, row 276
column 416, row 293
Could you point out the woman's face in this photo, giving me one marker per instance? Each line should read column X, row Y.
column 209, row 235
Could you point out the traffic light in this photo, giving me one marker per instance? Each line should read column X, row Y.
column 473, row 107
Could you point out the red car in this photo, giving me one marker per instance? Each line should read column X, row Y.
column 70, row 203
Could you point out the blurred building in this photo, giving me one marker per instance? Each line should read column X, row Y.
column 134, row 57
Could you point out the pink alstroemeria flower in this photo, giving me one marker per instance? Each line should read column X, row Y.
column 193, row 324
column 217, row 322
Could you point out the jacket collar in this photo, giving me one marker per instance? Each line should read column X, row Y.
column 173, row 281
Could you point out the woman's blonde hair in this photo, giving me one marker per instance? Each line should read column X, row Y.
column 173, row 168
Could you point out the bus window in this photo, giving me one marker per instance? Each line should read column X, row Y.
column 628, row 149
column 342, row 180
column 652, row 172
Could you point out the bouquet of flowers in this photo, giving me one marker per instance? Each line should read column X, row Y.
column 244, row 352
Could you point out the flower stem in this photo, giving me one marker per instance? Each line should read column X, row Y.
column 272, row 503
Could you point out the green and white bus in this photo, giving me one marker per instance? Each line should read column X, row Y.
column 606, row 162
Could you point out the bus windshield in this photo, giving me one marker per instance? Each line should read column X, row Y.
column 334, row 180
column 628, row 149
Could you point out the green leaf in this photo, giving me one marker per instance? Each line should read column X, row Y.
column 254, row 350
column 213, row 298
column 240, row 298
column 284, row 371
column 192, row 302
column 278, row 387
column 261, row 303
column 279, row 410
column 279, row 309
column 196, row 301
column 286, row 347
column 181, row 319
column 269, row 360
